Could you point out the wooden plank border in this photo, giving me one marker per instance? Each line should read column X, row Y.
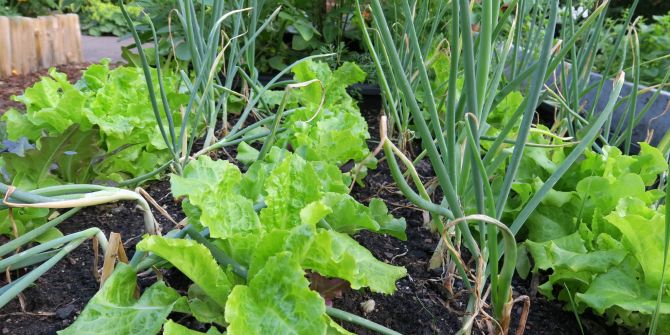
column 30, row 44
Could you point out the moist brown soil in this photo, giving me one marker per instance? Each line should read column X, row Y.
column 421, row 305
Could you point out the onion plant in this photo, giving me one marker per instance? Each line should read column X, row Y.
column 47, row 254
column 222, row 41
column 451, row 122
column 573, row 85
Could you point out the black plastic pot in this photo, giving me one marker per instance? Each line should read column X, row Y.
column 651, row 128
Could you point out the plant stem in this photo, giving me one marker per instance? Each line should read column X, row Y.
column 363, row 322
column 31, row 235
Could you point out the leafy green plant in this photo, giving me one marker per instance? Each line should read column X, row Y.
column 305, row 28
column 114, row 309
column 100, row 17
column 100, row 128
column 288, row 213
column 325, row 122
column 266, row 228
column 653, row 44
column 474, row 165
column 605, row 245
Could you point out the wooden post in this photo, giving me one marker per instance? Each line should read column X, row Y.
column 24, row 55
column 75, row 36
column 43, row 42
column 71, row 37
column 5, row 48
column 57, row 47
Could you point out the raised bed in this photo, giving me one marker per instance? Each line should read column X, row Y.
column 421, row 305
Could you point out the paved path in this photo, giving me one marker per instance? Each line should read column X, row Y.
column 96, row 48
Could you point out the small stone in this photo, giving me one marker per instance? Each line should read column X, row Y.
column 65, row 312
column 368, row 306
column 5, row 331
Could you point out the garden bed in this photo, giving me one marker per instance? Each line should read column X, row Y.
column 422, row 305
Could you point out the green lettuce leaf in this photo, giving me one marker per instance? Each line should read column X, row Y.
column 114, row 310
column 388, row 224
column 290, row 187
column 195, row 261
column 173, row 328
column 334, row 254
column 204, row 308
column 331, row 254
column 626, row 300
column 277, row 300
column 205, row 175
column 641, row 227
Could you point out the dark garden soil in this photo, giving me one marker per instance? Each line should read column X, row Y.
column 421, row 305
column 57, row 297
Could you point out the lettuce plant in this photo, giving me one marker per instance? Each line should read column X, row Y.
column 338, row 132
column 267, row 227
column 599, row 233
column 116, row 136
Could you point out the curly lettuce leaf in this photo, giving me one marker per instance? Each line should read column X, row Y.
column 204, row 175
column 211, row 186
column 277, row 300
column 338, row 255
column 641, row 227
column 329, row 129
column 114, row 309
column 290, row 187
column 195, row 261
column 52, row 104
column 173, row 328
column 331, row 254
column 337, row 137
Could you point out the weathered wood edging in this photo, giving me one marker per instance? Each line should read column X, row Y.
column 29, row 44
